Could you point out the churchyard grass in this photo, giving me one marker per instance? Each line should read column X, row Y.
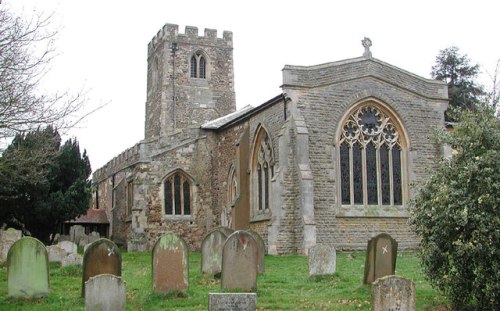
column 285, row 285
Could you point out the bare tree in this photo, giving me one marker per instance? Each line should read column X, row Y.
column 494, row 94
column 26, row 49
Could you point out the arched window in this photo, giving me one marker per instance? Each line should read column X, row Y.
column 262, row 173
column 177, row 194
column 198, row 65
column 232, row 186
column 371, row 158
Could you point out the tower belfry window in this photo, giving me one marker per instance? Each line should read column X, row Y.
column 198, row 66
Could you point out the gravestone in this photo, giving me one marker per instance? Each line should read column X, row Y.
column 393, row 293
column 211, row 252
column 56, row 254
column 28, row 269
column 232, row 301
column 380, row 257
column 7, row 238
column 262, row 251
column 322, row 260
column 68, row 246
column 226, row 230
column 239, row 262
column 170, row 264
column 76, row 232
column 72, row 259
column 105, row 292
column 101, row 257
column 94, row 236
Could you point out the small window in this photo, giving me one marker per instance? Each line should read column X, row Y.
column 130, row 197
column 198, row 66
column 177, row 195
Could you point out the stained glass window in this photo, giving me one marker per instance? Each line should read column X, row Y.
column 370, row 156
column 177, row 191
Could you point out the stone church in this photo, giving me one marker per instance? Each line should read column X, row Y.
column 333, row 159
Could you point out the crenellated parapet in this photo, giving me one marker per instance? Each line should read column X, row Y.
column 170, row 33
column 125, row 159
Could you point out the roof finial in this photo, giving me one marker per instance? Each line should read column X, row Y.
column 366, row 42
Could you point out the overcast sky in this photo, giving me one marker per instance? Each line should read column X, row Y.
column 102, row 46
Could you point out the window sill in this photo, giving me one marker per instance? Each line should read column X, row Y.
column 261, row 217
column 178, row 217
column 399, row 211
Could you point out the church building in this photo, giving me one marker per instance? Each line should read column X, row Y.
column 335, row 158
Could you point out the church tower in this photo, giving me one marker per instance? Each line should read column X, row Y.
column 190, row 80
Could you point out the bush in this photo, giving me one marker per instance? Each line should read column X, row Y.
column 457, row 217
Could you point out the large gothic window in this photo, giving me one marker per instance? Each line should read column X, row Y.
column 177, row 194
column 262, row 173
column 371, row 152
column 198, row 66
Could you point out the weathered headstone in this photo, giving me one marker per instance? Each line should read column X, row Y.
column 232, row 301
column 68, row 246
column 239, row 262
column 170, row 264
column 27, row 269
column 262, row 251
column 322, row 260
column 72, row 259
column 380, row 257
column 94, row 236
column 56, row 254
column 393, row 293
column 76, row 232
column 101, row 257
column 226, row 230
column 105, row 292
column 7, row 238
column 211, row 252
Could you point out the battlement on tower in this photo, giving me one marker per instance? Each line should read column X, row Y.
column 170, row 33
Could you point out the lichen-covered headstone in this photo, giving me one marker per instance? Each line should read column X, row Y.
column 322, row 260
column 68, row 246
column 105, row 292
column 56, row 254
column 72, row 260
column 232, row 301
column 7, row 238
column 101, row 257
column 239, row 262
column 380, row 257
column 393, row 293
column 211, row 252
column 28, row 269
column 170, row 264
column 262, row 251
column 226, row 230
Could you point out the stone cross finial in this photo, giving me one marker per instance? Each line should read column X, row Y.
column 367, row 43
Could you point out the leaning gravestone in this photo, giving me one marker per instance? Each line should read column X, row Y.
column 27, row 269
column 56, row 254
column 262, row 251
column 211, row 252
column 393, row 293
column 380, row 257
column 322, row 260
column 101, row 257
column 68, row 246
column 72, row 260
column 7, row 238
column 239, row 262
column 105, row 292
column 232, row 301
column 170, row 264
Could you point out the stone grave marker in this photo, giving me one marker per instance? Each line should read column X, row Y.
column 211, row 252
column 262, row 251
column 101, row 257
column 239, row 262
column 232, row 301
column 393, row 293
column 72, row 259
column 56, row 254
column 7, row 238
column 105, row 292
column 28, row 269
column 170, row 264
column 380, row 257
column 322, row 260
column 68, row 246
column 226, row 230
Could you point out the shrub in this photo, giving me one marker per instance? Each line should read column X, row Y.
column 457, row 217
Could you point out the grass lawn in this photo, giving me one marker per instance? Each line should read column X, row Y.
column 284, row 286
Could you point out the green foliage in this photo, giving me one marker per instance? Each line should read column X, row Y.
column 455, row 69
column 457, row 217
column 43, row 184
